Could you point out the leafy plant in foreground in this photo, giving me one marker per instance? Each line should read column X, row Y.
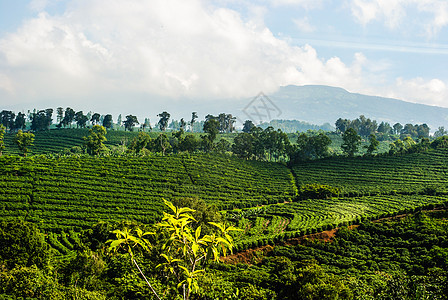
column 185, row 251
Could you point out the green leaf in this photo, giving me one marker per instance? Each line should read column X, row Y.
column 197, row 233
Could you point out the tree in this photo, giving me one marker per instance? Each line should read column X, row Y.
column 140, row 142
column 146, row 124
column 194, row 116
column 189, row 143
column 183, row 124
column 20, row 121
column 119, row 120
column 243, row 145
column 41, row 120
column 440, row 132
column 366, row 126
column 22, row 245
column 211, row 127
column 107, row 121
column 7, row 119
column 422, row 131
column 397, row 128
column 81, row 119
column 222, row 146
column 351, row 142
column 184, row 251
column 373, row 144
column 163, row 121
column 69, row 116
column 130, row 122
column 312, row 147
column 162, row 144
column 95, row 119
column 409, row 130
column 248, row 125
column 95, row 140
column 24, row 140
column 385, row 128
column 59, row 115
column 342, row 125
column 2, row 135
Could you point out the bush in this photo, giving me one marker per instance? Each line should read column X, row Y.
column 317, row 191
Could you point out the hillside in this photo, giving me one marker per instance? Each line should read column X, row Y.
column 321, row 104
column 67, row 197
column 77, row 192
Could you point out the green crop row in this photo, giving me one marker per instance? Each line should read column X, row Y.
column 75, row 192
column 290, row 220
column 406, row 174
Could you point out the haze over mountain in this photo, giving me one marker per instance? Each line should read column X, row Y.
column 319, row 104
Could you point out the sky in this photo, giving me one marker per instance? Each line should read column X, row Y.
column 146, row 56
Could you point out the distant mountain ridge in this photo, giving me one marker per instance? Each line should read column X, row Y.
column 318, row 104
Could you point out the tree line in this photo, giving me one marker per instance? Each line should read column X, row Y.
column 365, row 127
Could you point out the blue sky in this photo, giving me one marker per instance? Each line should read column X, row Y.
column 150, row 54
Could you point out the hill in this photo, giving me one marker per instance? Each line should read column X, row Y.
column 78, row 191
column 321, row 104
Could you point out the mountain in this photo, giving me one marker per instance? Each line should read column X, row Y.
column 319, row 104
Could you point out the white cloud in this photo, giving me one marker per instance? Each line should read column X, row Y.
column 420, row 90
column 400, row 14
column 307, row 4
column 169, row 48
column 304, row 25
column 110, row 50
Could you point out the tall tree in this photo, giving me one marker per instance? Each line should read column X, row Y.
column 130, row 122
column 163, row 121
column 211, row 127
column 95, row 140
column 41, row 120
column 48, row 118
column 342, row 125
column 7, row 119
column 119, row 120
column 23, row 141
column 397, row 128
column 20, row 121
column 81, row 119
column 107, row 121
column 248, row 125
column 95, row 119
column 69, row 116
column 162, row 144
column 194, row 116
column 243, row 145
column 351, row 142
column 385, row 128
column 59, row 115
column 373, row 146
column 183, row 124
column 440, row 132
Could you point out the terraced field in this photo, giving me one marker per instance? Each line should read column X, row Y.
column 406, row 174
column 65, row 194
column 76, row 192
column 288, row 220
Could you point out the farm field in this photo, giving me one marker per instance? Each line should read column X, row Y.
column 77, row 200
column 407, row 174
column 74, row 192
column 77, row 192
